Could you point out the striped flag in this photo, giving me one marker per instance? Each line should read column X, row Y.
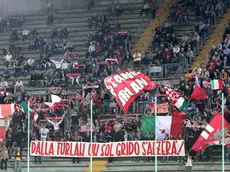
column 217, row 84
column 24, row 106
column 165, row 126
column 177, row 100
column 181, row 103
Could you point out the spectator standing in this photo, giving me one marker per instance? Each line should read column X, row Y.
column 190, row 54
column 166, row 158
column 37, row 159
column 9, row 144
column 153, row 8
column 50, row 19
column 92, row 50
column 5, row 158
column 68, row 116
column 18, row 158
column 75, row 139
column 145, row 9
column 188, row 164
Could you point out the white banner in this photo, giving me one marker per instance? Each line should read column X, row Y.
column 112, row 149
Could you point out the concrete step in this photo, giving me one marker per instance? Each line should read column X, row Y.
column 135, row 10
column 38, row 169
column 121, row 19
column 163, row 167
column 73, row 30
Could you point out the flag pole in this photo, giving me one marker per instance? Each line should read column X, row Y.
column 91, row 134
column 28, row 138
column 223, row 144
column 155, row 110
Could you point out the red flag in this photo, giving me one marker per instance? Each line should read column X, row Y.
column 212, row 134
column 177, row 124
column 161, row 107
column 180, row 114
column 126, row 86
column 199, row 94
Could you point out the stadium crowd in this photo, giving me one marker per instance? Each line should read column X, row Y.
column 71, row 120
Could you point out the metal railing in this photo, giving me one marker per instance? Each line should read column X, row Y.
column 112, row 108
column 165, row 70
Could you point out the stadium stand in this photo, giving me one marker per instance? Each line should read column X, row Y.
column 182, row 36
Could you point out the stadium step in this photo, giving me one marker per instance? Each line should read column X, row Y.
column 130, row 166
column 145, row 40
column 214, row 38
column 98, row 165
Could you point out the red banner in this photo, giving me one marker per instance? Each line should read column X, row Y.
column 161, row 108
column 126, row 86
column 112, row 149
column 72, row 74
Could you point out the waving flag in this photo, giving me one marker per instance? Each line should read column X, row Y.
column 217, row 84
column 126, row 86
column 55, row 102
column 6, row 110
column 23, row 106
column 165, row 125
column 176, row 99
column 212, row 134
column 199, row 94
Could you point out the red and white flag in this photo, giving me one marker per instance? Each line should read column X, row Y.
column 212, row 134
column 172, row 94
column 55, row 102
column 126, row 86
column 177, row 100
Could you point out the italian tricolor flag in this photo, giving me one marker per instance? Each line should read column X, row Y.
column 166, row 126
column 181, row 103
column 6, row 110
column 217, row 84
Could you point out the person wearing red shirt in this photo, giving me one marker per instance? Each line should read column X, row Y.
column 213, row 62
column 153, row 8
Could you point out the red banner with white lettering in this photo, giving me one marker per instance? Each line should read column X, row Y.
column 161, row 108
column 112, row 149
column 126, row 86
